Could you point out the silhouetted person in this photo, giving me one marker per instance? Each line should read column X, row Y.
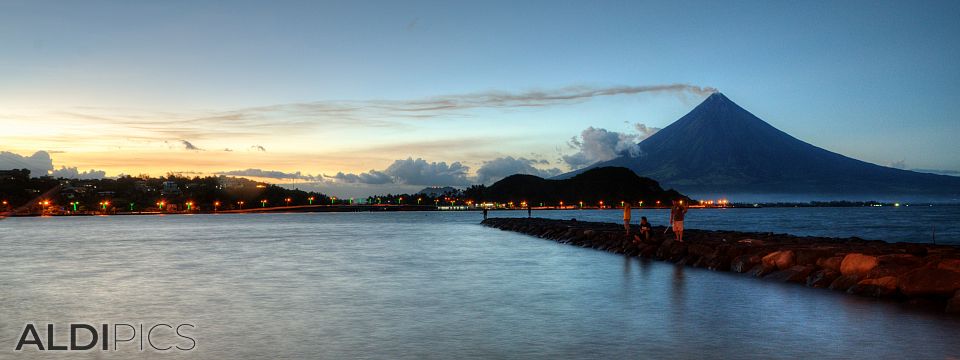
column 677, row 211
column 626, row 217
column 645, row 229
column 529, row 211
column 484, row 213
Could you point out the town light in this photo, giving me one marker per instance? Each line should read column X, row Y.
column 263, row 203
column 189, row 205
column 310, row 199
column 288, row 201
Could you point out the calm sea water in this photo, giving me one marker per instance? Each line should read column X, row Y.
column 438, row 285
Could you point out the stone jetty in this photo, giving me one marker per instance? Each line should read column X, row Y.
column 922, row 274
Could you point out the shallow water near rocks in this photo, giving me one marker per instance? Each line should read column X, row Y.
column 425, row 285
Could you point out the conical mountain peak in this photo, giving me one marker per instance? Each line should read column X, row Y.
column 721, row 148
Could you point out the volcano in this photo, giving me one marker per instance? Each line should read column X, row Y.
column 721, row 149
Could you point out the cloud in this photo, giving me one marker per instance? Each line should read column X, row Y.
column 74, row 173
column 644, row 131
column 412, row 172
column 39, row 163
column 270, row 174
column 596, row 144
column 92, row 125
column 189, row 146
column 370, row 177
column 499, row 168
column 421, row 172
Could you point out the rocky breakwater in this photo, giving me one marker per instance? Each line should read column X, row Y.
column 921, row 274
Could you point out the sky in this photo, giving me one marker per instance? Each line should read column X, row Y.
column 363, row 97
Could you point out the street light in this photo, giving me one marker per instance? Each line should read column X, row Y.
column 216, row 204
column 189, row 205
column 310, row 199
column 288, row 201
column 240, row 203
column 263, row 203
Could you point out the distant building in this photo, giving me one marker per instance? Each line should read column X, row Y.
column 141, row 186
column 170, row 188
column 15, row 174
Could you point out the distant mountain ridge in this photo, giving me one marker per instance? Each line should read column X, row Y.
column 608, row 184
column 720, row 149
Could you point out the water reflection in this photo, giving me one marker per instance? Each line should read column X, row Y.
column 403, row 286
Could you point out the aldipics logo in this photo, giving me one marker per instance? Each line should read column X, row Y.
column 109, row 337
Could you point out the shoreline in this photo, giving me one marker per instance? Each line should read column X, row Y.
column 387, row 207
column 924, row 275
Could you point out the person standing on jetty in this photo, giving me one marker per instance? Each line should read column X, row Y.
column 626, row 217
column 677, row 211
column 484, row 213
column 529, row 211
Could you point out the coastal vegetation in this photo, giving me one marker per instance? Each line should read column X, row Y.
column 22, row 194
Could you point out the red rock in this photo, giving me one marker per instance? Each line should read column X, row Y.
column 949, row 264
column 882, row 287
column 813, row 255
column 858, row 264
column 894, row 265
column 796, row 273
column 900, row 259
column 781, row 260
column 953, row 306
column 744, row 263
column 832, row 263
column 844, row 282
column 930, row 281
column 822, row 278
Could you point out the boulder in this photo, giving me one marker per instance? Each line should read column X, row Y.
column 882, row 287
column 949, row 264
column 781, row 260
column 930, row 281
column 813, row 255
column 744, row 263
column 796, row 273
column 822, row 278
column 761, row 270
column 832, row 263
column 894, row 265
column 844, row 282
column 858, row 264
column 953, row 305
